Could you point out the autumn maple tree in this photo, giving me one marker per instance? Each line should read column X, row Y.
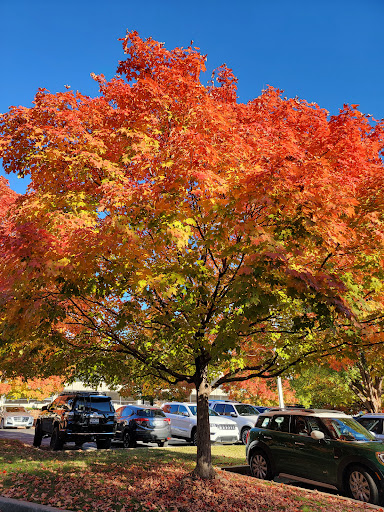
column 37, row 388
column 169, row 226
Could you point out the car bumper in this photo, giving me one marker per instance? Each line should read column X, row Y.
column 14, row 422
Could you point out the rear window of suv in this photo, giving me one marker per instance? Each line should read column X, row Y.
column 101, row 404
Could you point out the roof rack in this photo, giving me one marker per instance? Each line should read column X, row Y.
column 97, row 393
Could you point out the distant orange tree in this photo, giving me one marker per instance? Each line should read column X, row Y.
column 260, row 392
column 37, row 388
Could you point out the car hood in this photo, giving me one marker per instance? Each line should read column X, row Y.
column 18, row 413
column 219, row 420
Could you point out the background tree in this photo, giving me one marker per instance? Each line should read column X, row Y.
column 170, row 225
column 259, row 391
column 37, row 388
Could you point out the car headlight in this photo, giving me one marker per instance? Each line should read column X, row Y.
column 380, row 457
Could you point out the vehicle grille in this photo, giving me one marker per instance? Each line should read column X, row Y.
column 227, row 427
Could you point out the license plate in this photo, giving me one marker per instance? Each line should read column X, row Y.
column 93, row 420
column 158, row 423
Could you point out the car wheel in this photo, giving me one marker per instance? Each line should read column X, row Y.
column 361, row 485
column 260, row 466
column 103, row 444
column 194, row 437
column 244, row 434
column 162, row 443
column 128, row 441
column 56, row 443
column 38, row 436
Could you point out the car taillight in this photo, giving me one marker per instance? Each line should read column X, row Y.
column 141, row 421
column 246, row 439
column 167, row 420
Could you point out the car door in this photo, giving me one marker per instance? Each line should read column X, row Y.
column 122, row 419
column 312, row 459
column 184, row 421
column 170, row 411
column 279, row 441
column 51, row 414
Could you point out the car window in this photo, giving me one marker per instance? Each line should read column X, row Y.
column 280, row 423
column 193, row 409
column 263, row 422
column 219, row 408
column 150, row 413
column 300, row 426
column 127, row 411
column 228, row 409
column 171, row 408
column 211, row 412
column 80, row 404
column 347, row 429
column 182, row 410
column 245, row 410
column 372, row 424
column 101, row 404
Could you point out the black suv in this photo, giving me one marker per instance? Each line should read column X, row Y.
column 76, row 417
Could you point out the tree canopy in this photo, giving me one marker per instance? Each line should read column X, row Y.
column 169, row 226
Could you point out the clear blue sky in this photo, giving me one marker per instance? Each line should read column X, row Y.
column 327, row 51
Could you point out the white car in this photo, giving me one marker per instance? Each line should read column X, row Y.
column 15, row 417
column 245, row 415
column 183, row 416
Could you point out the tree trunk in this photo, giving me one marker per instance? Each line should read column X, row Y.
column 204, row 468
column 369, row 388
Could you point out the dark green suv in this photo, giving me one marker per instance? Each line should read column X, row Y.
column 325, row 448
column 77, row 417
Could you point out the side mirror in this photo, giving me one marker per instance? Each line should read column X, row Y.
column 317, row 435
column 233, row 414
column 185, row 414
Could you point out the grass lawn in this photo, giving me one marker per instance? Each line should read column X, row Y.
column 148, row 479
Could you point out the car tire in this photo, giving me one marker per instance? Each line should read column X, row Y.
column 194, row 437
column 243, row 435
column 361, row 485
column 260, row 465
column 38, row 436
column 162, row 443
column 56, row 443
column 103, row 444
column 128, row 441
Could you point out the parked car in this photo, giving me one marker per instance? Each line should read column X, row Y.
column 183, row 416
column 141, row 423
column 77, row 417
column 244, row 415
column 320, row 447
column 12, row 417
column 374, row 423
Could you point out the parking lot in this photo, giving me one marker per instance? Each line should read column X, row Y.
column 26, row 436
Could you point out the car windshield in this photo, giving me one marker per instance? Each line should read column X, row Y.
column 193, row 409
column 101, row 404
column 15, row 409
column 246, row 410
column 150, row 413
column 347, row 429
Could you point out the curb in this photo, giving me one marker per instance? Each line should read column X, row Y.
column 12, row 505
